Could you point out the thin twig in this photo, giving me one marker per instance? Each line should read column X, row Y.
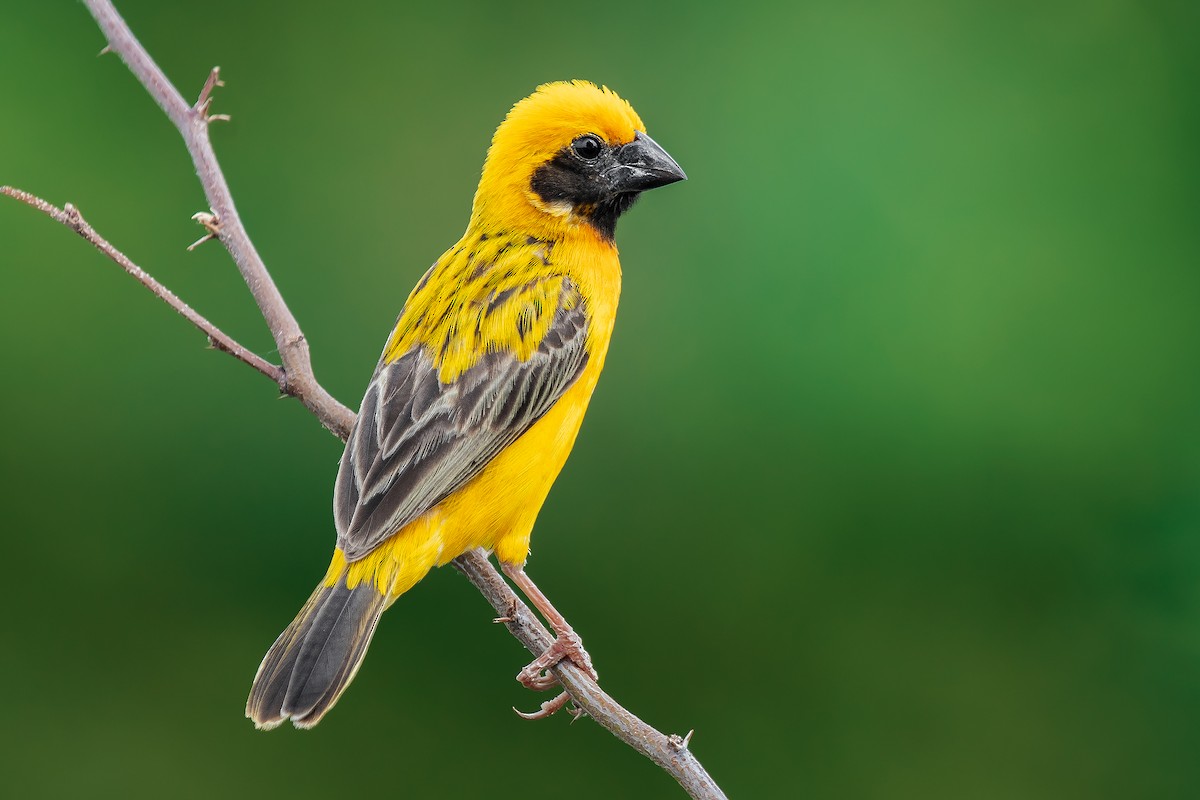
column 70, row 216
column 192, row 122
column 296, row 378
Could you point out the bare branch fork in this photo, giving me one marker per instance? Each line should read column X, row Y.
column 295, row 378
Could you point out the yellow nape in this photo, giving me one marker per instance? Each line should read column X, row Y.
column 535, row 130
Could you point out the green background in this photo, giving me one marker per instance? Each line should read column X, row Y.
column 890, row 489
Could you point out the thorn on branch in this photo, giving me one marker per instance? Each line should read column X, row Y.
column 104, row 51
column 205, row 98
column 677, row 742
column 209, row 221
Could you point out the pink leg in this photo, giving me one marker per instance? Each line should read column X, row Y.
column 567, row 644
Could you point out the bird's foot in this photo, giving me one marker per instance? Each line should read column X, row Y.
column 537, row 676
column 549, row 707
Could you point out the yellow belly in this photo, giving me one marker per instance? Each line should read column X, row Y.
column 497, row 509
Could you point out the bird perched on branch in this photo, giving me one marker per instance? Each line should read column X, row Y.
column 480, row 391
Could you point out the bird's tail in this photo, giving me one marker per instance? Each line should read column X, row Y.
column 313, row 661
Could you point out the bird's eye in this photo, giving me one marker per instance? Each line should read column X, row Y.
column 587, row 147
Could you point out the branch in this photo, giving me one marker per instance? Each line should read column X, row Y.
column 70, row 216
column 192, row 122
column 669, row 752
column 296, row 378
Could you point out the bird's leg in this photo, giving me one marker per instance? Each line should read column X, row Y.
column 567, row 643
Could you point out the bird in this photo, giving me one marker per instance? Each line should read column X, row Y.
column 480, row 391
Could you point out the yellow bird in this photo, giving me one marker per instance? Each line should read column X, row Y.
column 480, row 391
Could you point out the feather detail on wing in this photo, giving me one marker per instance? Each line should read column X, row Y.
column 418, row 439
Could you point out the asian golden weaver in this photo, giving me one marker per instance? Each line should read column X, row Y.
column 481, row 388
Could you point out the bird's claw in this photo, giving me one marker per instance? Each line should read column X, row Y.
column 537, row 676
column 537, row 680
column 510, row 614
column 549, row 707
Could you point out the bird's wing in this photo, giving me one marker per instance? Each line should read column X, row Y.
column 417, row 439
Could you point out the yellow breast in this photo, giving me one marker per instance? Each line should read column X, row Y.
column 498, row 508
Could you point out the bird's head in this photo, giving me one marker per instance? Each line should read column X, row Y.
column 570, row 156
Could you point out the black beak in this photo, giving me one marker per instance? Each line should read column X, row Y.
column 642, row 165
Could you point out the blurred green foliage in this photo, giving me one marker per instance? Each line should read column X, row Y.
column 890, row 489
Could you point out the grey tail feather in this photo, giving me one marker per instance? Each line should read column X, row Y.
column 313, row 661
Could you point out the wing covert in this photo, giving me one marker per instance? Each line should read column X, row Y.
column 417, row 439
